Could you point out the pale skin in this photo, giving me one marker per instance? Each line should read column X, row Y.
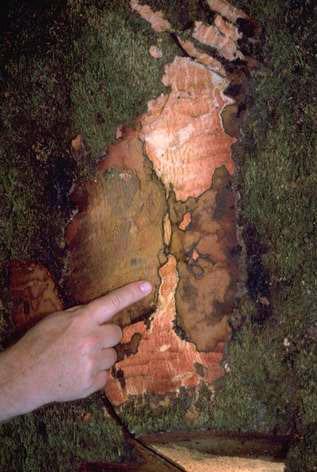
column 66, row 356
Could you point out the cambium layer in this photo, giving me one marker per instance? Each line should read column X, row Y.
column 162, row 208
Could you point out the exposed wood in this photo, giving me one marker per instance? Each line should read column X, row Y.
column 194, row 461
column 163, row 362
column 183, row 132
column 224, row 443
column 202, row 56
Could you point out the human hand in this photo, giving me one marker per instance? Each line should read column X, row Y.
column 66, row 356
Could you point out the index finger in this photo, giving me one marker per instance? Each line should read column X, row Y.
column 104, row 308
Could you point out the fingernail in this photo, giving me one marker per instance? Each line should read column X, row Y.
column 145, row 287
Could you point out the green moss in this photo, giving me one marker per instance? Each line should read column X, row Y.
column 190, row 410
column 253, row 396
column 17, row 215
column 149, row 415
column 35, row 165
column 63, row 435
column 302, row 455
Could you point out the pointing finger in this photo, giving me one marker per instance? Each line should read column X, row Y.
column 104, row 308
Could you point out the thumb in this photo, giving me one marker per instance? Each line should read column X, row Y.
column 104, row 308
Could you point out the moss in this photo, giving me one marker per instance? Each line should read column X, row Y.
column 154, row 414
column 35, row 165
column 190, row 410
column 302, row 456
column 17, row 215
column 65, row 435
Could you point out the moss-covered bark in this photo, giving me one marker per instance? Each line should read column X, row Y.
column 72, row 72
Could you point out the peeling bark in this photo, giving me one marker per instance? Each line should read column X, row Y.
column 162, row 201
column 220, row 39
column 202, row 57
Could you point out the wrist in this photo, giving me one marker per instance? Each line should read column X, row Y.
column 17, row 395
column 13, row 401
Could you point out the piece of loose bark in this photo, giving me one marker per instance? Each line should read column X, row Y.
column 202, row 57
column 194, row 461
column 226, row 10
column 227, row 29
column 155, row 52
column 155, row 18
column 33, row 293
column 221, row 40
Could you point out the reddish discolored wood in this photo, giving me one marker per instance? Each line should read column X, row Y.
column 186, row 142
column 33, row 293
column 186, row 220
